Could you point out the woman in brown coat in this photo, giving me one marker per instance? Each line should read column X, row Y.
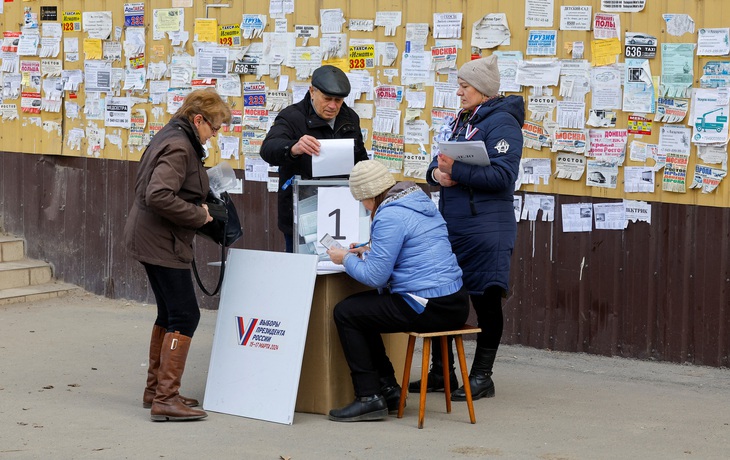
column 171, row 185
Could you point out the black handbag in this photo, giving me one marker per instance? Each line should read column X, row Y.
column 224, row 230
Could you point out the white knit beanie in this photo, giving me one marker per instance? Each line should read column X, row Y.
column 369, row 179
column 482, row 74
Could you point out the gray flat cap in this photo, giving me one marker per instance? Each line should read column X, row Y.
column 331, row 81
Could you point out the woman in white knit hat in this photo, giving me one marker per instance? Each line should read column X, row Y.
column 418, row 281
column 477, row 204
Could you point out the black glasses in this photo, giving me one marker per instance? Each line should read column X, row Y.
column 213, row 128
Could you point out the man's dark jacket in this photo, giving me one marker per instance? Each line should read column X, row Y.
column 292, row 123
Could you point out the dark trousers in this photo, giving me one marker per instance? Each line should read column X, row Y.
column 288, row 242
column 361, row 318
column 177, row 305
column 490, row 319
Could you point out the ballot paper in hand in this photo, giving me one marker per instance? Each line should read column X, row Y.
column 336, row 157
column 329, row 242
column 469, row 152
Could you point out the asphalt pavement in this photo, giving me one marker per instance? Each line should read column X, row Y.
column 72, row 371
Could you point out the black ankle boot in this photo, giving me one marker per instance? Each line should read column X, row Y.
column 482, row 386
column 435, row 382
column 361, row 409
column 480, row 377
column 391, row 392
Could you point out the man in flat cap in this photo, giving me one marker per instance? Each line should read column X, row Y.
column 292, row 140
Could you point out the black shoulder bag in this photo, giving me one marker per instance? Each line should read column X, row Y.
column 224, row 230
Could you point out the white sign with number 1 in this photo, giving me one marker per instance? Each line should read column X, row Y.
column 338, row 214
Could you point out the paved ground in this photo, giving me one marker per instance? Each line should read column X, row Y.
column 72, row 372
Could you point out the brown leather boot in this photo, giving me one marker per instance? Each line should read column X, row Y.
column 167, row 405
column 158, row 335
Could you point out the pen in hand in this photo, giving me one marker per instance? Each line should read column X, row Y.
column 359, row 245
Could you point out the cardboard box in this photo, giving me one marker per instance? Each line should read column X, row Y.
column 325, row 381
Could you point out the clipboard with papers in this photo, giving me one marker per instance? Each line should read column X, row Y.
column 469, row 152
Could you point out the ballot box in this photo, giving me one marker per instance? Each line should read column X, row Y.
column 326, row 206
column 325, row 381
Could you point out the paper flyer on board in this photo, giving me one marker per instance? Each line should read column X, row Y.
column 624, row 6
column 710, row 108
column 638, row 87
column 677, row 69
column 637, row 211
column 575, row 17
column 606, row 84
column 639, row 179
column 713, row 42
column 608, row 145
column 675, row 148
column 539, row 13
column 570, row 166
column 707, row 178
column 609, row 216
column 577, row 217
column 601, row 174
column 490, row 31
column 536, row 203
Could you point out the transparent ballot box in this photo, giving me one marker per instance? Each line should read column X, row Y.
column 325, row 206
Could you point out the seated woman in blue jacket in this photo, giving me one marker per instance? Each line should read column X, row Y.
column 418, row 281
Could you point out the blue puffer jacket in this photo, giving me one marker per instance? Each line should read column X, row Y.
column 409, row 248
column 479, row 209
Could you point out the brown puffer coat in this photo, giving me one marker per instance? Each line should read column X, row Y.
column 171, row 185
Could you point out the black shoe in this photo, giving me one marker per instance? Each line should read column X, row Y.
column 435, row 382
column 482, row 386
column 391, row 393
column 361, row 409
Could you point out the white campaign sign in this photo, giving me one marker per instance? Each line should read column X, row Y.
column 256, row 360
column 338, row 214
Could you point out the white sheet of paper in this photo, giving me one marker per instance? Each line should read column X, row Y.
column 283, row 82
column 98, row 24
column 609, row 216
column 539, row 13
column 577, row 217
column 637, row 211
column 469, row 152
column 336, row 157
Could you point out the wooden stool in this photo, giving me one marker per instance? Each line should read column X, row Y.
column 459, row 339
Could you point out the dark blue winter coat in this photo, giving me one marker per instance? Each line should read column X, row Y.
column 479, row 210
